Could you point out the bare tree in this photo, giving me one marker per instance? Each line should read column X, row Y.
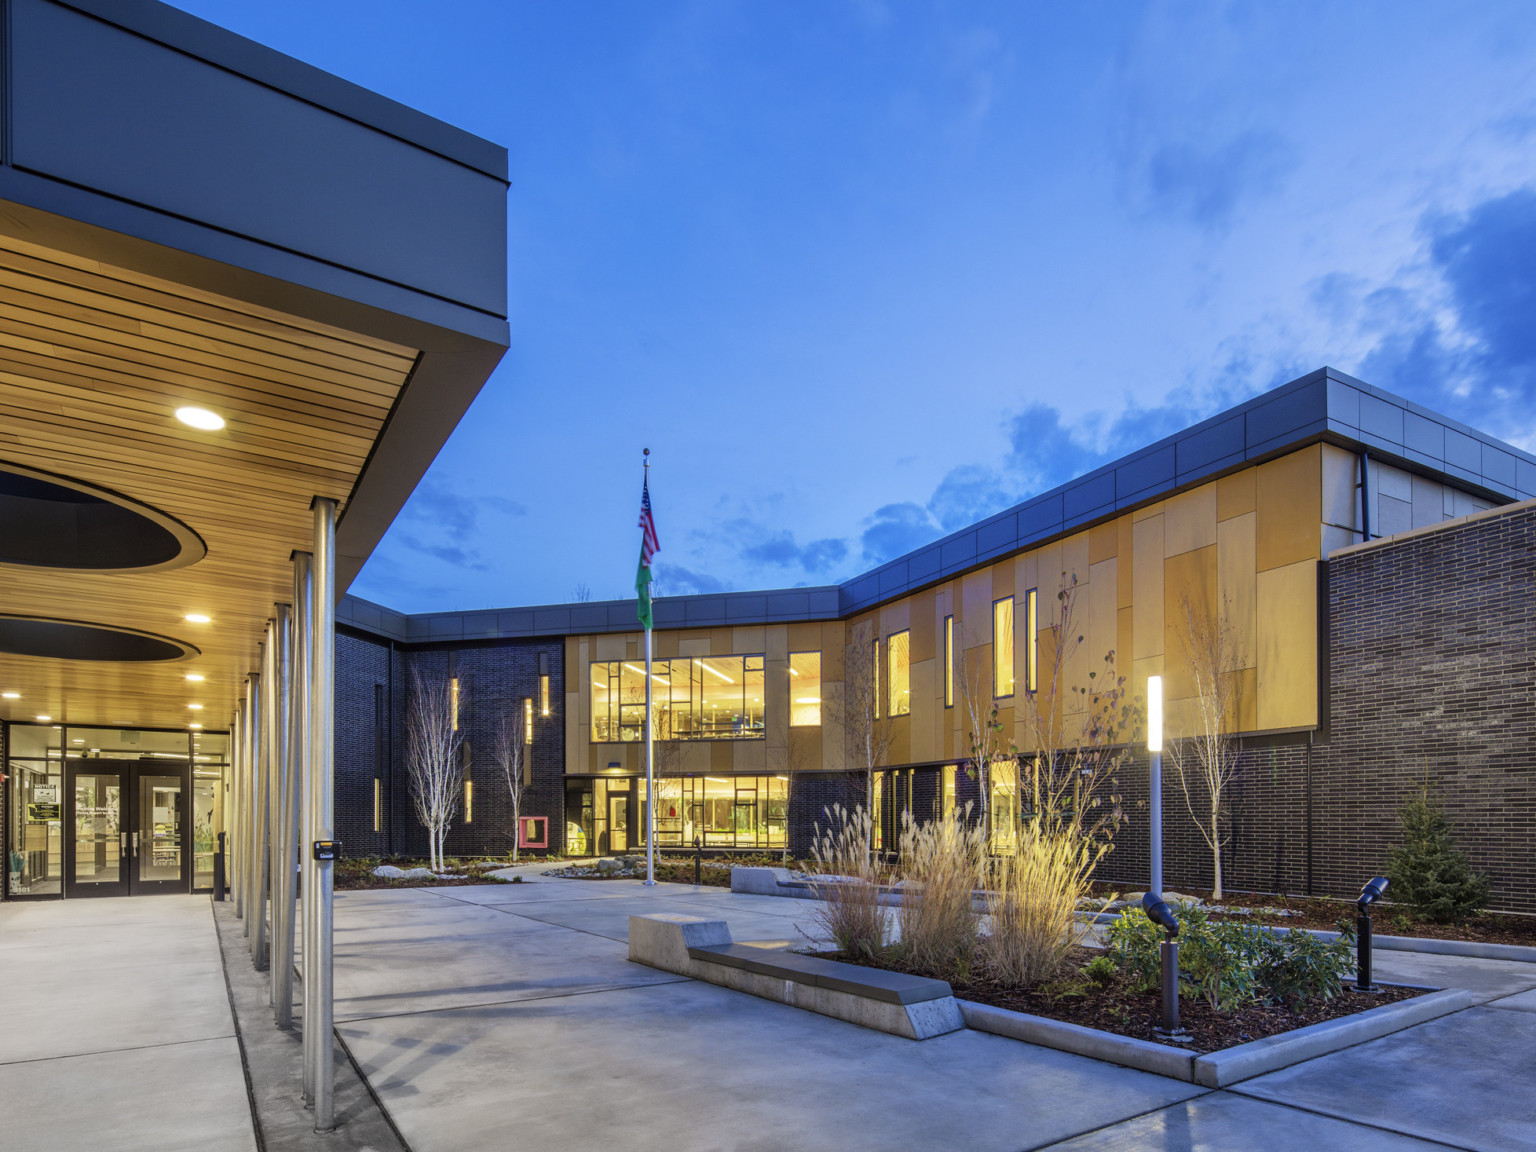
column 583, row 592
column 1209, row 751
column 511, row 755
column 1076, row 736
column 433, row 759
column 864, row 718
column 986, row 742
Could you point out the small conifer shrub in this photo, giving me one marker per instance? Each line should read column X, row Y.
column 1428, row 871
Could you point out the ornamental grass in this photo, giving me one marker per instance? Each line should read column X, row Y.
column 848, row 895
column 1032, row 906
column 941, row 866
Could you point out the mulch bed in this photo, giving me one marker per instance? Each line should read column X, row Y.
column 1120, row 1009
column 357, row 875
column 1489, row 928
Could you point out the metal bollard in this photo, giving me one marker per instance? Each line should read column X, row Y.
column 698, row 862
column 1168, row 954
column 218, row 870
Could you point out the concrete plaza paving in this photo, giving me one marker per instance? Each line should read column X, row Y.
column 508, row 1016
column 115, row 1029
column 527, row 1019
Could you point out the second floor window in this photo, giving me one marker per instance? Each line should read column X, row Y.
column 898, row 679
column 692, row 698
column 804, row 689
column 1002, row 647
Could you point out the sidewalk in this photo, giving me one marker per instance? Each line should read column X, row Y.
column 115, row 1029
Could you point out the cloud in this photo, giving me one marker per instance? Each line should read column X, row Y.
column 1466, row 344
column 445, row 525
column 780, row 548
column 1205, row 183
column 675, row 580
column 895, row 529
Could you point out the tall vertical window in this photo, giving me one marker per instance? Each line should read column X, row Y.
column 949, row 661
column 528, row 720
column 898, row 651
column 1031, row 644
column 1002, row 647
column 804, row 689
column 453, row 701
column 543, row 695
column 874, row 677
column 378, row 806
column 469, row 801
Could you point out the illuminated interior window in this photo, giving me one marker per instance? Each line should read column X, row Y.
column 528, row 720
column 898, row 650
column 949, row 661
column 453, row 701
column 469, row 801
column 697, row 698
column 1002, row 647
column 1031, row 641
column 804, row 689
column 378, row 806
column 544, row 695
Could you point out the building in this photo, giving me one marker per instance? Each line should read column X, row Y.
column 1372, row 558
column 238, row 296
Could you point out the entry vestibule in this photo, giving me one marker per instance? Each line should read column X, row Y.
column 111, row 811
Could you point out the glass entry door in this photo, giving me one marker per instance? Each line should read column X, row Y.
column 98, row 844
column 129, row 827
column 618, row 823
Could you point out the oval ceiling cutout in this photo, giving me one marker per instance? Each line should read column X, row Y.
column 75, row 640
column 49, row 521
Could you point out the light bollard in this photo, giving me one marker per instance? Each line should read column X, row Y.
column 1371, row 893
column 1155, row 782
column 1159, row 913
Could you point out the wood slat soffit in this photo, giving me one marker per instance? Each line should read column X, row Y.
column 94, row 361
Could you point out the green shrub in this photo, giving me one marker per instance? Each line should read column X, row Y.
column 1427, row 870
column 1230, row 964
column 1101, row 970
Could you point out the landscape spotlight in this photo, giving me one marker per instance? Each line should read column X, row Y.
column 1159, row 913
column 1371, row 893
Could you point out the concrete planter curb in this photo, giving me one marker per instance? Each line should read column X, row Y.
column 1473, row 949
column 1216, row 1069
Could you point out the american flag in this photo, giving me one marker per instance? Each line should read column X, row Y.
column 649, row 545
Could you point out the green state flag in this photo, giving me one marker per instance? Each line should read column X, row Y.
column 643, row 587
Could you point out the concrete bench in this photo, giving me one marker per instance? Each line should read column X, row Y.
column 895, row 1002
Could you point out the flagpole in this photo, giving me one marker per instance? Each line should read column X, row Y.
column 650, row 751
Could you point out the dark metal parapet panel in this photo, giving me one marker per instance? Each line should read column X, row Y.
column 101, row 108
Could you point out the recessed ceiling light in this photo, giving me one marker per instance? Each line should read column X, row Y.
column 195, row 677
column 10, row 695
column 200, row 418
column 77, row 741
column 194, row 726
column 44, row 719
column 197, row 618
column 195, row 707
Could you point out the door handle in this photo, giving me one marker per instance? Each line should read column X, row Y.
column 122, row 842
column 135, row 843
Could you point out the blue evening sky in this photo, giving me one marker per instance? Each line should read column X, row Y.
column 860, row 273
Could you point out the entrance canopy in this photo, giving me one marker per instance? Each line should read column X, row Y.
column 229, row 284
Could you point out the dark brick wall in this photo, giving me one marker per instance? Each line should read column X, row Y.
column 811, row 795
column 1432, row 658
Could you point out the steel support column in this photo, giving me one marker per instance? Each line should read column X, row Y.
column 318, row 1007
column 284, row 885
column 256, row 892
column 237, row 813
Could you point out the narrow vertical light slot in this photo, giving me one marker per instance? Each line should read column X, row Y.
column 874, row 675
column 544, row 695
column 469, row 801
column 453, row 701
column 949, row 661
column 1031, row 641
column 528, row 720
column 1002, row 647
column 378, row 806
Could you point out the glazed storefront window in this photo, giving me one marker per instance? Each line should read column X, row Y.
column 722, row 811
column 695, row 698
column 36, row 811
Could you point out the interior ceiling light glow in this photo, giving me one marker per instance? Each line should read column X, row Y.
column 194, row 726
column 195, row 707
column 197, row 618
column 200, row 418
column 44, row 719
column 10, row 695
column 196, row 677
column 710, row 670
column 806, row 699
